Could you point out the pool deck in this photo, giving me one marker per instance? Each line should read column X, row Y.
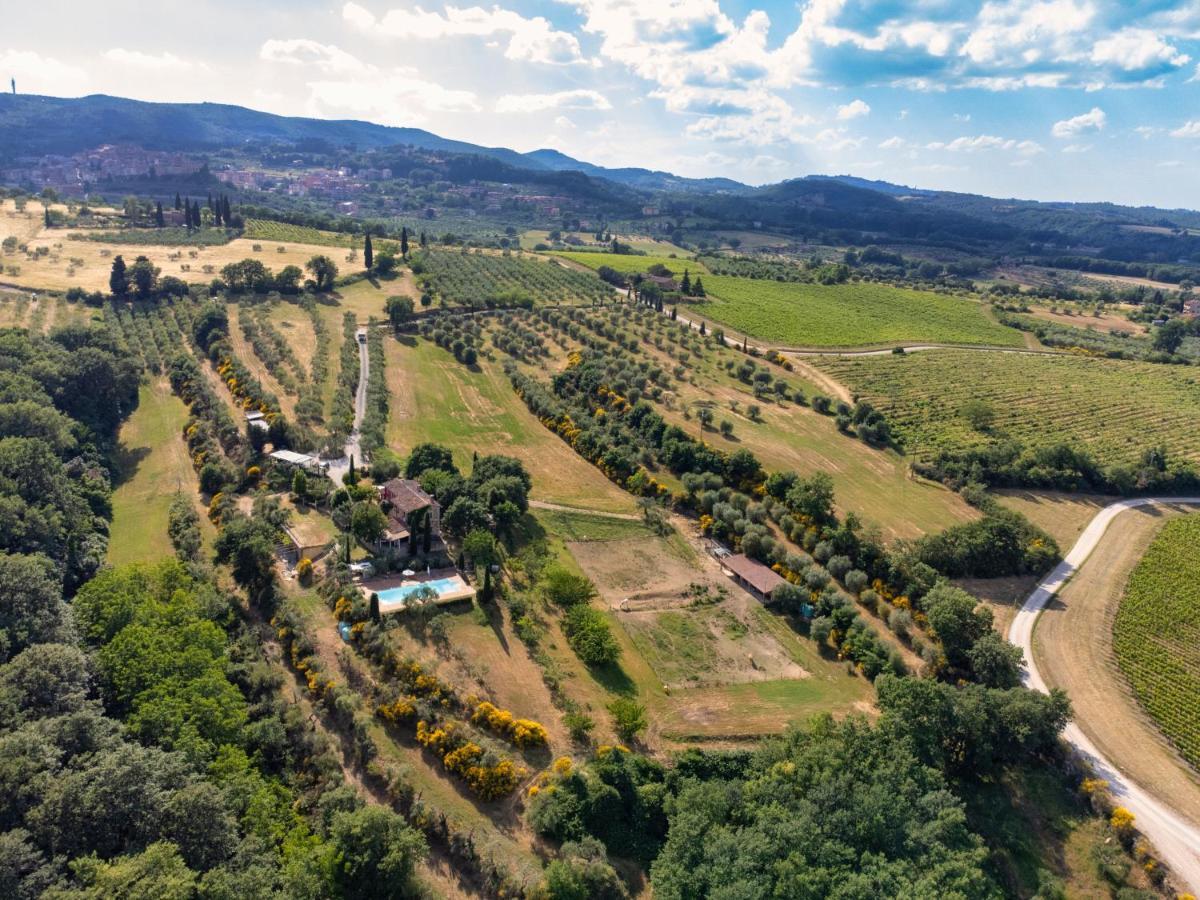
column 387, row 582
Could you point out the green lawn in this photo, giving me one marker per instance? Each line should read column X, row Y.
column 848, row 315
column 151, row 466
column 435, row 398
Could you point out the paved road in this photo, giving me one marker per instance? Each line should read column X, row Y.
column 339, row 467
column 1174, row 836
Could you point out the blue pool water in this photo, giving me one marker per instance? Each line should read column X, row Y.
column 400, row 594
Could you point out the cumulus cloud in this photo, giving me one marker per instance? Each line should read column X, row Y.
column 530, row 39
column 577, row 99
column 1187, row 130
column 40, row 74
column 395, row 97
column 1093, row 120
column 153, row 61
column 304, row 52
column 971, row 144
column 1138, row 50
column 853, row 110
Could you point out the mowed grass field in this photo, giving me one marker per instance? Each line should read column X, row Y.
column 1156, row 634
column 848, row 315
column 151, row 466
column 436, row 398
column 1115, row 409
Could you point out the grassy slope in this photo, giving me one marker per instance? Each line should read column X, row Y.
column 435, row 398
column 1112, row 408
column 845, row 315
column 629, row 263
column 151, row 465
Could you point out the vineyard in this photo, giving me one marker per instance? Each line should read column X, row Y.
column 1156, row 635
column 486, row 279
column 627, row 264
column 849, row 315
column 1114, row 409
column 173, row 236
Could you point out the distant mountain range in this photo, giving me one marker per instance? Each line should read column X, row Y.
column 32, row 125
column 837, row 208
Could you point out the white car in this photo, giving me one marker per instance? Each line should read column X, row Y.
column 362, row 569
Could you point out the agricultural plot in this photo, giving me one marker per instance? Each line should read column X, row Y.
column 286, row 233
column 55, row 262
column 1115, row 409
column 1156, row 634
column 488, row 279
column 628, row 264
column 434, row 398
column 848, row 315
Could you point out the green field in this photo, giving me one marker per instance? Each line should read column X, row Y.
column 1115, row 409
column 151, row 465
column 1156, row 635
column 462, row 278
column 848, row 315
column 435, row 398
column 628, row 264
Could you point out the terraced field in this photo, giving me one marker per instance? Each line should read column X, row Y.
column 848, row 315
column 1156, row 634
column 1113, row 408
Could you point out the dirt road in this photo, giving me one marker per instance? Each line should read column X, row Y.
column 1175, row 836
column 339, row 467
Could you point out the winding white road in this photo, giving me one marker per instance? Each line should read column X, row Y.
column 352, row 451
column 1174, row 836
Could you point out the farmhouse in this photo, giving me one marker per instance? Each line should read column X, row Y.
column 664, row 281
column 411, row 513
column 1191, row 308
column 753, row 576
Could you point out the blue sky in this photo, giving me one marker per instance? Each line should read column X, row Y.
column 1046, row 99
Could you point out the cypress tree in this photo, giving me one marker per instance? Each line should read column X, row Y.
column 118, row 281
column 158, row 216
column 47, row 211
column 368, row 253
column 178, row 201
column 685, row 286
column 404, row 242
column 225, row 212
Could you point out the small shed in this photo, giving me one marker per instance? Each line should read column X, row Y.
column 753, row 576
column 298, row 460
column 256, row 419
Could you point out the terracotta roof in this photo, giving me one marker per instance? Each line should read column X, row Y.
column 406, row 496
column 753, row 573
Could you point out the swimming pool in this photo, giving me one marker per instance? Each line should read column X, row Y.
column 442, row 586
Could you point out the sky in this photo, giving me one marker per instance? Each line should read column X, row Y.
column 1040, row 99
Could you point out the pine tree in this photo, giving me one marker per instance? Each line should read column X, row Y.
column 158, row 215
column 178, row 201
column 368, row 253
column 685, row 286
column 404, row 242
column 698, row 288
column 118, row 281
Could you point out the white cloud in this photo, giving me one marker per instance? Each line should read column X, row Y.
column 1187, row 130
column 986, row 142
column 531, row 40
column 1170, row 164
column 304, row 52
column 853, row 110
column 153, row 61
column 564, row 122
column 1136, row 50
column 392, row 97
column 37, row 74
column 1093, row 120
column 962, row 117
column 1077, row 148
column 578, row 99
column 894, row 143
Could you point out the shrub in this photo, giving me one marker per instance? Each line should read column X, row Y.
column 590, row 636
column 629, row 717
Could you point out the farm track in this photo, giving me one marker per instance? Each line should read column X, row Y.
column 599, row 513
column 1174, row 835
